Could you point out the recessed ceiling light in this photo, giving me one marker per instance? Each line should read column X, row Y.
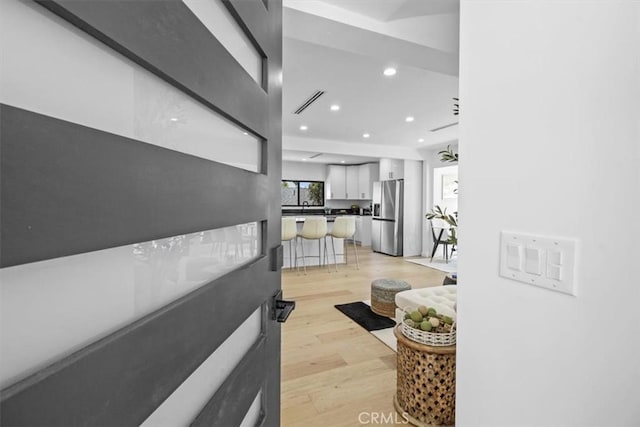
column 303, row 127
column 341, row 161
column 421, row 140
column 409, row 119
column 245, row 133
column 335, row 107
column 174, row 119
column 365, row 135
column 304, row 160
column 390, row 72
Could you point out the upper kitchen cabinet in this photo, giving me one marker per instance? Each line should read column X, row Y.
column 351, row 182
column 391, row 169
column 367, row 175
column 336, row 182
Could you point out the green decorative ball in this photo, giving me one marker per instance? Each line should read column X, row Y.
column 416, row 316
column 431, row 312
column 426, row 326
column 448, row 320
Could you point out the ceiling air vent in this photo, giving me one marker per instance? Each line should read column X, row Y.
column 315, row 155
column 444, row 127
column 313, row 98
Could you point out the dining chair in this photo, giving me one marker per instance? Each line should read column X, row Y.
column 440, row 234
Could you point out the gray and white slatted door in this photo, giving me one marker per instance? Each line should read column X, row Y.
column 140, row 232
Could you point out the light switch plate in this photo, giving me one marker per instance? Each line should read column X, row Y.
column 549, row 262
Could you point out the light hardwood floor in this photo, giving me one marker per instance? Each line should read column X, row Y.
column 334, row 373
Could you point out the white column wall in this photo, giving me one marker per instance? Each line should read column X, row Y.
column 413, row 217
column 550, row 144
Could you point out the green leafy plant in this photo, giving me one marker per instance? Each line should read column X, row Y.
column 448, row 155
column 316, row 194
column 451, row 219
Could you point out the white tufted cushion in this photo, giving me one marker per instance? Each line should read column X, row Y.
column 442, row 298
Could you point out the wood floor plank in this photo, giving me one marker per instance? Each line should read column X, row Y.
column 299, row 415
column 341, row 334
column 305, row 296
column 350, row 392
column 312, row 366
column 318, row 391
column 333, row 377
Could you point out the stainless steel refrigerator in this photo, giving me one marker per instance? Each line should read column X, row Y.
column 386, row 232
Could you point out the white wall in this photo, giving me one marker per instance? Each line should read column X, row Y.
column 448, row 203
column 304, row 171
column 413, row 216
column 550, row 107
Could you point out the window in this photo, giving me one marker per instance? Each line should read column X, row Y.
column 299, row 193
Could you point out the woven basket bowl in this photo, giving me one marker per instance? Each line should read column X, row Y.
column 428, row 338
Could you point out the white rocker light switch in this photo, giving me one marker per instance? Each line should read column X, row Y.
column 532, row 261
column 513, row 257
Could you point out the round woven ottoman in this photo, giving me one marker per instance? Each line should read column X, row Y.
column 383, row 295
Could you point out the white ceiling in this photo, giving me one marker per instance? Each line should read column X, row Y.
column 326, row 158
column 342, row 47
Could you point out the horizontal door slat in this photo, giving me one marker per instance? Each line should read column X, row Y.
column 230, row 403
column 121, row 379
column 69, row 189
column 162, row 36
column 258, row 21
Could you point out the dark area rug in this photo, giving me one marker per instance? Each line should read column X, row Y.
column 361, row 313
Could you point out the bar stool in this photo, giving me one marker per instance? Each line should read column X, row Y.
column 289, row 233
column 314, row 228
column 344, row 227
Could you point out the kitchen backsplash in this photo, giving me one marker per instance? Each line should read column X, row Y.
column 336, row 206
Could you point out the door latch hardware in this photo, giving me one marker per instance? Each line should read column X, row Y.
column 277, row 258
column 281, row 308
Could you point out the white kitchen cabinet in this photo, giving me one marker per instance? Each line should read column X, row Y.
column 336, row 184
column 391, row 169
column 352, row 182
column 367, row 175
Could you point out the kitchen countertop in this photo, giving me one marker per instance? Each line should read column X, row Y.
column 334, row 213
column 330, row 218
